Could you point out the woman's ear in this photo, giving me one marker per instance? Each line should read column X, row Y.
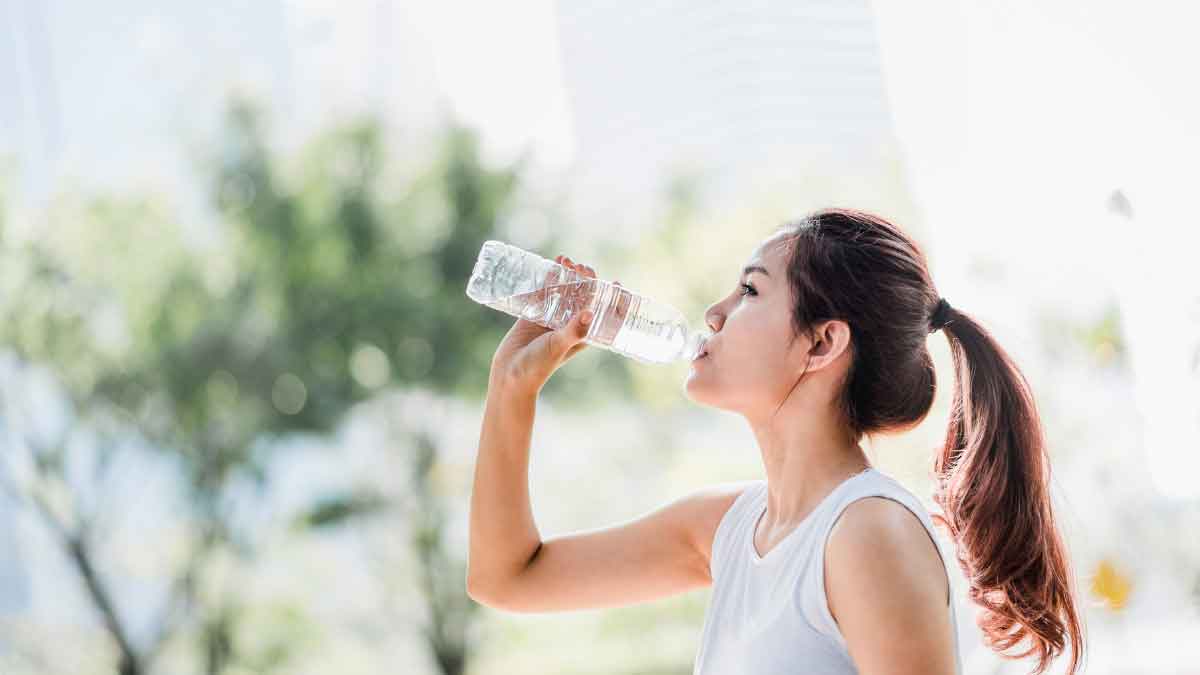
column 831, row 339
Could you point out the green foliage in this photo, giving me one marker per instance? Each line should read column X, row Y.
column 336, row 510
column 273, row 635
column 325, row 286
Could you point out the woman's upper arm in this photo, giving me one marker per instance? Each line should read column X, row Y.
column 661, row 553
column 886, row 588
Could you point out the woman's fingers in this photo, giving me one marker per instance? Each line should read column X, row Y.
column 582, row 270
column 618, row 311
column 584, row 296
column 566, row 261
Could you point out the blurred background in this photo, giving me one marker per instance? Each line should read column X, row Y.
column 241, row 383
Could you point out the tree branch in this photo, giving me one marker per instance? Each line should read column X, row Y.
column 78, row 552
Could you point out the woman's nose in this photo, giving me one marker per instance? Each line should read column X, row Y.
column 712, row 318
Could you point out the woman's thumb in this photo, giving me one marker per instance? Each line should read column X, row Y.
column 575, row 329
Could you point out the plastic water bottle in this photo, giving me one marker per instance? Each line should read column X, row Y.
column 530, row 287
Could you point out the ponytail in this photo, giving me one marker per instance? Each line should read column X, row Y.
column 993, row 486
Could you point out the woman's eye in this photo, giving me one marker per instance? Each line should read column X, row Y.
column 749, row 290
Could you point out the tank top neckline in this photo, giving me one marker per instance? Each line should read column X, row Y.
column 761, row 510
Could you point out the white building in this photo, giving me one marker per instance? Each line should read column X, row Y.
column 739, row 91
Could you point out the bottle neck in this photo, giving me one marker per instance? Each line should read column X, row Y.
column 696, row 341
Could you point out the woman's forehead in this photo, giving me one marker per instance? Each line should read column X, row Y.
column 772, row 252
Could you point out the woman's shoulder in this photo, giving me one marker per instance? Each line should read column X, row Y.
column 877, row 505
column 884, row 537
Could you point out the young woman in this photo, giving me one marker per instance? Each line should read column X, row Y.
column 829, row 565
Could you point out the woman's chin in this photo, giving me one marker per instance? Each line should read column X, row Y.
column 696, row 391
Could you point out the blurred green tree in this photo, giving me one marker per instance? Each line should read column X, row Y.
column 326, row 288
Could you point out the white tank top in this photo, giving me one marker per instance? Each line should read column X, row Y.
column 768, row 615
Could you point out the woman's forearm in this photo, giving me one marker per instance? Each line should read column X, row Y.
column 503, row 535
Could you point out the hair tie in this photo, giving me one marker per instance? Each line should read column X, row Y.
column 941, row 315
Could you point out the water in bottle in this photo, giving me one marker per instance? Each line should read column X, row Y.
column 528, row 286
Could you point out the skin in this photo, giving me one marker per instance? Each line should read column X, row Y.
column 885, row 583
column 785, row 392
column 883, row 573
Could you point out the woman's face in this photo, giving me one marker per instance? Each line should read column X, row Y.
column 750, row 366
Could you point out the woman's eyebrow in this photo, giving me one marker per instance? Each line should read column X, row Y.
column 755, row 268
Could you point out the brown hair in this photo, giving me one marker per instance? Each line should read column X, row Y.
column 992, row 471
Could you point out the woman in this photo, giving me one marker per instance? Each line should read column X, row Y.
column 829, row 565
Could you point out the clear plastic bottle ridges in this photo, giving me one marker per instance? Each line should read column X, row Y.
column 528, row 286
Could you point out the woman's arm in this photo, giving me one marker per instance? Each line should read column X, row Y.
column 503, row 535
column 658, row 554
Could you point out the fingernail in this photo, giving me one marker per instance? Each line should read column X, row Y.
column 586, row 318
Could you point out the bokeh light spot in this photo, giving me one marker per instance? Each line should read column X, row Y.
column 370, row 366
column 289, row 394
column 1111, row 585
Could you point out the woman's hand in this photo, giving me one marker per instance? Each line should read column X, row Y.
column 530, row 353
